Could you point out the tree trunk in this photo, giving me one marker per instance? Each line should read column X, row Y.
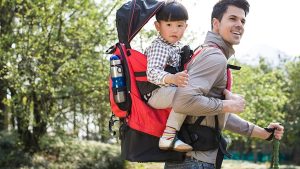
column 2, row 106
column 75, row 127
column 40, row 112
column 6, row 18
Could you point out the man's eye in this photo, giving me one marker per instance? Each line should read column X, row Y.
column 168, row 24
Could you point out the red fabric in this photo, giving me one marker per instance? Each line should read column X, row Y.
column 114, row 107
column 229, row 80
column 193, row 57
column 142, row 117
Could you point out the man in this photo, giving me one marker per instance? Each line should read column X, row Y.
column 207, row 81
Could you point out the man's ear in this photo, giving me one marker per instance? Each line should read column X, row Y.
column 216, row 25
column 157, row 26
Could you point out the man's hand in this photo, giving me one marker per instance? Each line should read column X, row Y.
column 279, row 130
column 234, row 103
column 232, row 96
column 181, row 78
column 233, row 106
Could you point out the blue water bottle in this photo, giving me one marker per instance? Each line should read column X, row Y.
column 118, row 79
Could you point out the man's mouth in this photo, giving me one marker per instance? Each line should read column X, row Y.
column 237, row 33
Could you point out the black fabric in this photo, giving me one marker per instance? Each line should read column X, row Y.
column 270, row 130
column 221, row 153
column 140, row 147
column 132, row 16
column 145, row 87
column 171, row 69
column 140, row 74
column 125, row 106
column 201, row 138
column 234, row 67
column 186, row 55
column 204, row 138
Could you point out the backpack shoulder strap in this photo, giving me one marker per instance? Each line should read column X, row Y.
column 198, row 50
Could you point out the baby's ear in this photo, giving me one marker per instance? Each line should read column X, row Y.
column 157, row 25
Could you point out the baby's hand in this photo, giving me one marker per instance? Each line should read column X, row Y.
column 181, row 78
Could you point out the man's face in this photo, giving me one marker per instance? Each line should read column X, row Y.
column 171, row 31
column 231, row 27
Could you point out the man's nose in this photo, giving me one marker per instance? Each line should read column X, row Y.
column 240, row 24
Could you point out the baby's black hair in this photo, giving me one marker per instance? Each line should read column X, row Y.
column 172, row 11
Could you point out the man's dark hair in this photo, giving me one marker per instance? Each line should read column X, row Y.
column 221, row 7
column 172, row 11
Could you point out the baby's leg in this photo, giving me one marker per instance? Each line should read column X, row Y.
column 162, row 97
column 175, row 120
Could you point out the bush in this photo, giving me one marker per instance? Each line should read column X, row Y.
column 11, row 154
column 72, row 153
column 60, row 153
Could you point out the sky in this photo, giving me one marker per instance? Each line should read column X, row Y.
column 272, row 27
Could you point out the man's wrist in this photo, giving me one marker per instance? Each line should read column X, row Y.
column 226, row 106
column 271, row 131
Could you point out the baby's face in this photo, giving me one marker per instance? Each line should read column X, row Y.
column 171, row 31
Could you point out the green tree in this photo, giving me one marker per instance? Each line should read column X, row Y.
column 55, row 65
column 264, row 90
column 6, row 35
column 292, row 120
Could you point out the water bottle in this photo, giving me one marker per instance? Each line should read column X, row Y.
column 118, row 80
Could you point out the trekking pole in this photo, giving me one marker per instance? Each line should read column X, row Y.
column 275, row 154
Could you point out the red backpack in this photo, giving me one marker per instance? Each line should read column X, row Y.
column 141, row 125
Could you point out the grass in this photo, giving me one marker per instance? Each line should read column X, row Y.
column 227, row 164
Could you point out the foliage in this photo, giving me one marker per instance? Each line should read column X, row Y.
column 292, row 121
column 11, row 153
column 55, row 67
column 53, row 80
column 63, row 152
column 264, row 90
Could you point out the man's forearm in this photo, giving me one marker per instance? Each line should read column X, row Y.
column 259, row 132
column 238, row 125
column 197, row 105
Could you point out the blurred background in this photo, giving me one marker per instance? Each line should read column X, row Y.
column 54, row 106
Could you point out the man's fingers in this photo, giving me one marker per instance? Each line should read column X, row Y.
column 225, row 92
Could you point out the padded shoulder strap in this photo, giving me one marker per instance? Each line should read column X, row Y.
column 197, row 51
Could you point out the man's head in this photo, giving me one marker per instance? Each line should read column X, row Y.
column 228, row 19
column 171, row 21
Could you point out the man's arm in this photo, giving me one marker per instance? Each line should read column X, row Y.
column 238, row 125
column 204, row 73
column 263, row 134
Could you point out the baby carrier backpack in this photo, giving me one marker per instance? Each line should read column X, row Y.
column 140, row 125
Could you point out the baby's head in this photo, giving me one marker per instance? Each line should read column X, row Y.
column 171, row 21
column 172, row 11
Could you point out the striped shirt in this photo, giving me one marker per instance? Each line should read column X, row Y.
column 160, row 54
